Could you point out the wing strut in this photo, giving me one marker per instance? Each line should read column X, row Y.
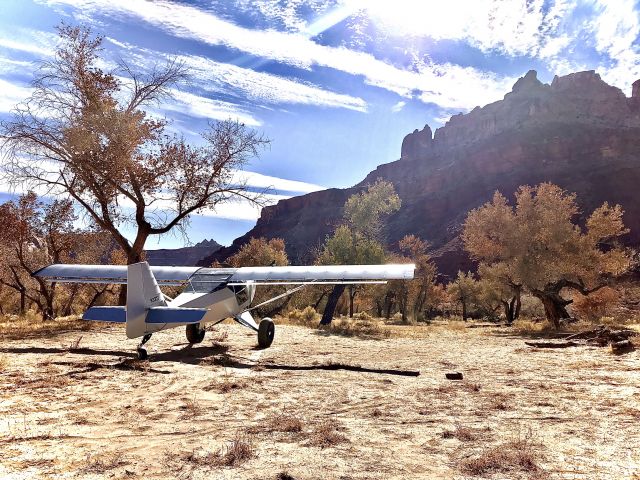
column 287, row 293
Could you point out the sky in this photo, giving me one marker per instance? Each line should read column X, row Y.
column 335, row 85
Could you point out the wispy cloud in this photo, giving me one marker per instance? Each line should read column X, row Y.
column 202, row 107
column 12, row 94
column 29, row 41
column 279, row 185
column 236, row 209
column 398, row 106
column 264, row 87
column 432, row 81
column 217, row 77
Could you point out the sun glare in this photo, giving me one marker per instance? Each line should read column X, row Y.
column 418, row 17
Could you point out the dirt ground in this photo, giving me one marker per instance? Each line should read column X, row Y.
column 316, row 406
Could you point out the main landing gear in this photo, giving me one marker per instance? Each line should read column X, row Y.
column 266, row 329
column 142, row 352
column 266, row 332
column 195, row 333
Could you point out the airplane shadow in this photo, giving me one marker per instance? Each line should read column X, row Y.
column 191, row 354
column 81, row 351
column 195, row 355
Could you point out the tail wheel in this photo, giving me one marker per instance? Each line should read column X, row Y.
column 195, row 333
column 266, row 332
column 142, row 353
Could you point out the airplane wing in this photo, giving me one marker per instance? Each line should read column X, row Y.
column 172, row 276
column 323, row 274
column 175, row 276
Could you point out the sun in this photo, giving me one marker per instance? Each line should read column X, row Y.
column 423, row 18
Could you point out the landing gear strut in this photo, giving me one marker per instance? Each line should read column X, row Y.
column 142, row 352
column 195, row 333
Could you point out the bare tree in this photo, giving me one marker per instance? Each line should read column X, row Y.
column 85, row 133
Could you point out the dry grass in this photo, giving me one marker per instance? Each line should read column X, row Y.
column 498, row 401
column 528, row 326
column 281, row 423
column 326, row 434
column 284, row 423
column 227, row 384
column 191, row 409
column 218, row 336
column 632, row 412
column 357, row 327
column 305, row 318
column 239, row 450
column 98, row 465
column 18, row 327
column 514, row 456
column 75, row 345
column 4, row 363
column 465, row 434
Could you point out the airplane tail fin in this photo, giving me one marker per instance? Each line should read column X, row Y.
column 143, row 293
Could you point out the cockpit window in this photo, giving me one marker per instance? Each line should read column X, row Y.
column 207, row 283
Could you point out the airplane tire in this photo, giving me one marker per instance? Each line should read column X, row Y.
column 195, row 334
column 142, row 354
column 266, row 332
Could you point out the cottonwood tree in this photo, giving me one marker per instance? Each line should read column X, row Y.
column 32, row 235
column 497, row 287
column 410, row 297
column 260, row 252
column 357, row 240
column 85, row 133
column 538, row 245
column 464, row 290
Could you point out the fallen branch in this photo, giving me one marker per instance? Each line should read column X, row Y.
column 553, row 344
column 600, row 336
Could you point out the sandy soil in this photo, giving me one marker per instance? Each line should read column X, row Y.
column 224, row 409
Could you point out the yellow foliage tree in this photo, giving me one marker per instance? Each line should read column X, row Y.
column 537, row 244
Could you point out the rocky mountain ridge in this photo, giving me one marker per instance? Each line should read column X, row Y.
column 578, row 132
column 182, row 256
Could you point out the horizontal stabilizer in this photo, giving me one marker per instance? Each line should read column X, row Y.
column 175, row 315
column 106, row 314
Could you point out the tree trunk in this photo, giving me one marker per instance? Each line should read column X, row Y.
column 389, row 306
column 464, row 309
column 23, row 301
column 332, row 302
column 352, row 296
column 379, row 308
column 516, row 313
column 317, row 304
column 554, row 306
column 96, row 296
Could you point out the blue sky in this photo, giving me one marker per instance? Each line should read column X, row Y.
column 334, row 84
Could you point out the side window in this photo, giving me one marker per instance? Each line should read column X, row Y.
column 242, row 294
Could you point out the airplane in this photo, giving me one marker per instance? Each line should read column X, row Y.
column 210, row 295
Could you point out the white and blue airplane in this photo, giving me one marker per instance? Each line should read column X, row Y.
column 210, row 295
